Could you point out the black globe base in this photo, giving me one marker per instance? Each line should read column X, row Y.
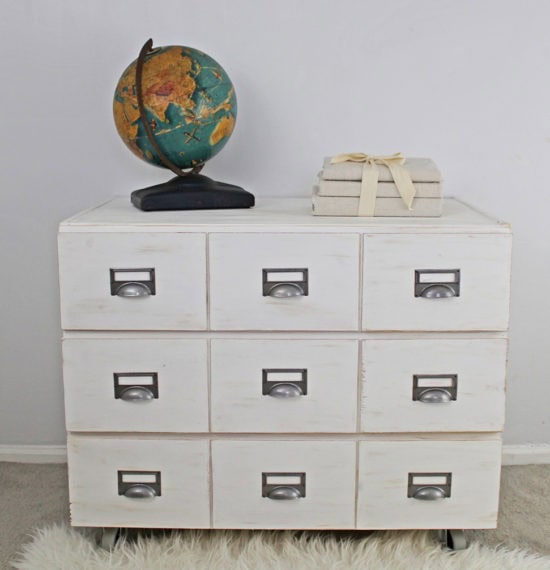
column 191, row 192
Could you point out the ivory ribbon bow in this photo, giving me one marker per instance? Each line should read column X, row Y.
column 369, row 180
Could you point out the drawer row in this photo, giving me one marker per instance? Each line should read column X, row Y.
column 148, row 281
column 132, row 482
column 256, row 385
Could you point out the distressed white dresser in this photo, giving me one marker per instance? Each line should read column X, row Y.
column 265, row 368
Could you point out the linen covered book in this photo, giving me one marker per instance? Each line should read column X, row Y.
column 419, row 169
column 348, row 206
column 363, row 185
column 384, row 190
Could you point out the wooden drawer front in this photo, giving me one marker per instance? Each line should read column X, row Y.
column 95, row 266
column 147, row 384
column 325, row 468
column 433, row 385
column 326, row 266
column 101, row 469
column 392, row 264
column 284, row 385
column 387, row 468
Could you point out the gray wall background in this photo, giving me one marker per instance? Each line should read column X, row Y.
column 466, row 83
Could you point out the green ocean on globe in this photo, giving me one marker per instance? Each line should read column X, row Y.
column 189, row 102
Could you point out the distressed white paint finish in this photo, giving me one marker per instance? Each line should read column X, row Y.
column 94, row 463
column 237, row 468
column 236, row 390
column 179, row 261
column 236, row 268
column 286, row 335
column 511, row 454
column 383, row 480
column 181, row 365
column 389, row 274
column 387, row 385
column 247, row 332
column 275, row 215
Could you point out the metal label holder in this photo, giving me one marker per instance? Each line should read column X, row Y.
column 269, row 488
column 125, row 486
column 117, row 283
column 268, row 385
column 444, row 489
column 451, row 388
column 269, row 284
column 152, row 386
column 425, row 281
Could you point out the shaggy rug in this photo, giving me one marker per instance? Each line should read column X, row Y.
column 62, row 548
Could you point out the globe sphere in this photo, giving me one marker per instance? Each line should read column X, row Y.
column 189, row 103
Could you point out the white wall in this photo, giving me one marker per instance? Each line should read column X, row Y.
column 466, row 83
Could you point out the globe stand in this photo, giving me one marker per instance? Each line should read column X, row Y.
column 188, row 190
column 191, row 192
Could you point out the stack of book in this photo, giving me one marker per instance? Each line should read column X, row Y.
column 338, row 189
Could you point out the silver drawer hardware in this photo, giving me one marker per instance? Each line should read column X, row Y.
column 136, row 386
column 429, row 486
column 282, row 283
column 133, row 282
column 434, row 388
column 139, row 484
column 437, row 283
column 283, row 486
column 284, row 382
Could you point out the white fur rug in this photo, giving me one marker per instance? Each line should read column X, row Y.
column 61, row 548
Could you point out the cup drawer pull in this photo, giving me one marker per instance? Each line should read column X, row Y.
column 285, row 390
column 435, row 396
column 284, row 493
column 429, row 486
column 284, row 383
column 283, row 486
column 137, row 394
column 139, row 484
column 140, row 492
column 132, row 289
column 438, row 291
column 437, row 283
column 131, row 283
column 435, row 388
column 282, row 290
column 429, row 494
column 138, row 387
column 282, row 283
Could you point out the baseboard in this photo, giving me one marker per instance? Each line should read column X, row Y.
column 525, row 454
column 33, row 453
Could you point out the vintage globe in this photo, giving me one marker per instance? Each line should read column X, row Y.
column 189, row 103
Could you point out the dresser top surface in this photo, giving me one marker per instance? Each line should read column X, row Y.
column 275, row 214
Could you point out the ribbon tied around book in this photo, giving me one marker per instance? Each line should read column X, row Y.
column 369, row 179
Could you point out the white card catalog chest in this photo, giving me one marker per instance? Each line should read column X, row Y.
column 265, row 368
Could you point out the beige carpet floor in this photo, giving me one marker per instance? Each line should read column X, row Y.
column 36, row 495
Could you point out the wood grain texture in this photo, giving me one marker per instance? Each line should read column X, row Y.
column 181, row 365
column 236, row 295
column 93, row 484
column 389, row 273
column 388, row 369
column 209, row 332
column 237, row 483
column 239, row 406
column 275, row 215
column 179, row 261
column 383, row 481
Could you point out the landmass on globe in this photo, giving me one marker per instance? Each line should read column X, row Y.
column 189, row 101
